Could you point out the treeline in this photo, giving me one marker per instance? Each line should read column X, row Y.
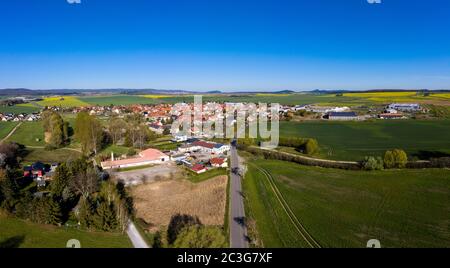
column 130, row 131
column 392, row 159
column 270, row 154
column 79, row 194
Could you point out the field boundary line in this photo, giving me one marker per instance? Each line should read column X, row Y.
column 295, row 221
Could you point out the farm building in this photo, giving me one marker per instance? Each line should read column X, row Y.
column 405, row 107
column 219, row 162
column 343, row 116
column 146, row 157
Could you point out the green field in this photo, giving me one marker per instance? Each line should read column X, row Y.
column 49, row 156
column 117, row 100
column 5, row 128
column 27, row 108
column 339, row 208
column 196, row 178
column 355, row 140
column 30, row 134
column 18, row 233
column 348, row 99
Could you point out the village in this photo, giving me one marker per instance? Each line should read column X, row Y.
column 194, row 151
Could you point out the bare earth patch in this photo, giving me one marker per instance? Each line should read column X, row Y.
column 157, row 202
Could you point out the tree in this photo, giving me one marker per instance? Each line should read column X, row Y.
column 177, row 223
column 105, row 217
column 116, row 126
column 395, row 159
column 89, row 132
column 401, row 158
column 54, row 214
column 85, row 212
column 86, row 182
column 54, row 124
column 311, row 146
column 9, row 191
column 200, row 237
column 61, row 179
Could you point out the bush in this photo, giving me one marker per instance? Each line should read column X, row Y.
column 311, row 146
column 372, row 163
column 131, row 152
column 200, row 237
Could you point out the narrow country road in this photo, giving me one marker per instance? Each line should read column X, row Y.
column 11, row 132
column 135, row 236
column 238, row 228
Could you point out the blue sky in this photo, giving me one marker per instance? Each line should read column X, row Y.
column 225, row 44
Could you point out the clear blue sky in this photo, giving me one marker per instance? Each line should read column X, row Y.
column 225, row 44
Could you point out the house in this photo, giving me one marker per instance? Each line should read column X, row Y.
column 157, row 128
column 218, row 162
column 180, row 138
column 36, row 170
column 405, row 107
column 199, row 168
column 221, row 148
column 342, row 116
column 146, row 157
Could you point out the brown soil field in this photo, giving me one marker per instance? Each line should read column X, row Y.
column 157, row 202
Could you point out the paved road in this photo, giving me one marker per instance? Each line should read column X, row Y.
column 238, row 230
column 135, row 236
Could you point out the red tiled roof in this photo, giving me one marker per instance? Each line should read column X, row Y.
column 198, row 167
column 217, row 161
column 203, row 144
column 146, row 155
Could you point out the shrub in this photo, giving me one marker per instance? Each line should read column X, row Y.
column 311, row 146
column 372, row 163
column 177, row 223
column 131, row 152
column 200, row 237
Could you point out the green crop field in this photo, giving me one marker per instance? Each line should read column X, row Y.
column 5, row 128
column 19, row 233
column 30, row 134
column 355, row 140
column 340, row 208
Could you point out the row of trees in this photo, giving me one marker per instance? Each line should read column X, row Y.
column 396, row 158
column 307, row 146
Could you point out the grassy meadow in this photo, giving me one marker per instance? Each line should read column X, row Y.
column 355, row 140
column 19, row 233
column 340, row 208
column 5, row 128
column 29, row 134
